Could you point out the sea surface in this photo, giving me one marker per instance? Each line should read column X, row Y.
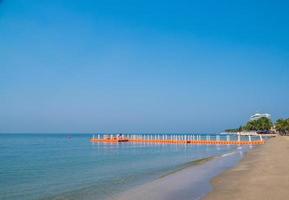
column 69, row 166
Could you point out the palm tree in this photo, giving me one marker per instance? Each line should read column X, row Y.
column 282, row 126
column 260, row 124
column 264, row 123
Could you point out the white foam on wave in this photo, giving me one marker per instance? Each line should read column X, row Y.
column 228, row 154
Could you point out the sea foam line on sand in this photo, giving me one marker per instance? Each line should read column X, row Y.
column 190, row 181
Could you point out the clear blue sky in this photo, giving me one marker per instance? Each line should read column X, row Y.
column 141, row 66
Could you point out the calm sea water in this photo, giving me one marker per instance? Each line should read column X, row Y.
column 61, row 166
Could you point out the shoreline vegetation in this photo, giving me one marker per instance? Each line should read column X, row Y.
column 262, row 174
column 262, row 126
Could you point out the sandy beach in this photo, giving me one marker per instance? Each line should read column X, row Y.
column 263, row 174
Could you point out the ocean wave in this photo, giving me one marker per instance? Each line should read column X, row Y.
column 187, row 164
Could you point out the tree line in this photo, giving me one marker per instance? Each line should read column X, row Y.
column 282, row 126
column 264, row 124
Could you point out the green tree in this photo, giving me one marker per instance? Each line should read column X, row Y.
column 282, row 126
column 234, row 130
column 260, row 124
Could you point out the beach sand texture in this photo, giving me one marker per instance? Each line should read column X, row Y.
column 263, row 174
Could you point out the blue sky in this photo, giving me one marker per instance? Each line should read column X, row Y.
column 141, row 66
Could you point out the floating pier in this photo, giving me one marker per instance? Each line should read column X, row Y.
column 178, row 139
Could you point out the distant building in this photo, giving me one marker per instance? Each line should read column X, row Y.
column 258, row 116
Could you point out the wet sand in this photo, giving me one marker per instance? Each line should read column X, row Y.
column 263, row 174
column 192, row 182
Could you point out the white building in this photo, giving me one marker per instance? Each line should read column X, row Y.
column 259, row 115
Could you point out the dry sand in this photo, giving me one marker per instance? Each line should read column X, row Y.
column 263, row 174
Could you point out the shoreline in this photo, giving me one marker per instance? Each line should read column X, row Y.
column 244, row 133
column 262, row 174
column 192, row 182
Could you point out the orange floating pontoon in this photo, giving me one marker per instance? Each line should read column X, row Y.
column 174, row 141
column 110, row 140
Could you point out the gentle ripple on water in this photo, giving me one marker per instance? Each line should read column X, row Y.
column 55, row 166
